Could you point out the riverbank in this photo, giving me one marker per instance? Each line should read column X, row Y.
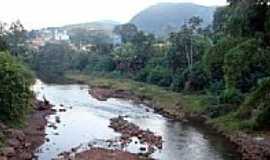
column 21, row 143
column 176, row 106
column 104, row 154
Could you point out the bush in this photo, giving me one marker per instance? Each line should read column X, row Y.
column 15, row 94
column 245, row 64
column 52, row 61
column 158, row 75
column 213, row 59
column 194, row 81
column 257, row 105
column 197, row 79
column 99, row 63
column 179, row 80
column 231, row 96
column 215, row 111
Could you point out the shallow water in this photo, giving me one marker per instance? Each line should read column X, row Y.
column 85, row 123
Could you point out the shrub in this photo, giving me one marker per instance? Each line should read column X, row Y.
column 158, row 75
column 245, row 64
column 213, row 59
column 257, row 105
column 15, row 94
column 231, row 96
column 197, row 79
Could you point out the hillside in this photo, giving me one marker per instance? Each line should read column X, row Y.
column 164, row 18
column 106, row 25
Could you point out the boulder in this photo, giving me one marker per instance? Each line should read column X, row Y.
column 26, row 156
column 2, row 126
column 3, row 158
column 13, row 142
column 8, row 151
column 15, row 133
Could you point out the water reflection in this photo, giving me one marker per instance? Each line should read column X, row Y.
column 86, row 122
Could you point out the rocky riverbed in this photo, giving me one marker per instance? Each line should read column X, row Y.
column 130, row 130
column 250, row 147
column 116, row 128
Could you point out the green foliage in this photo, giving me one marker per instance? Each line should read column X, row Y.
column 213, row 59
column 126, row 31
column 197, row 79
column 190, row 81
column 98, row 63
column 15, row 94
column 134, row 55
column 158, row 75
column 257, row 105
column 186, row 46
column 52, row 61
column 245, row 64
column 231, row 96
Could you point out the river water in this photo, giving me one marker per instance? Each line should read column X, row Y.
column 85, row 123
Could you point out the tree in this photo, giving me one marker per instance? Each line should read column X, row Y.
column 124, row 57
column 15, row 94
column 53, row 60
column 213, row 58
column 16, row 39
column 245, row 64
column 185, row 47
column 3, row 43
column 126, row 31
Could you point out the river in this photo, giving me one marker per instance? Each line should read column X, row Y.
column 85, row 123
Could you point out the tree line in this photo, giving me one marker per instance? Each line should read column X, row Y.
column 15, row 95
column 229, row 60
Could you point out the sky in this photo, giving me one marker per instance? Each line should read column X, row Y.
column 35, row 14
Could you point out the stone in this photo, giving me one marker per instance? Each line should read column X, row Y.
column 62, row 110
column 142, row 149
column 2, row 126
column 3, row 158
column 15, row 133
column 57, row 119
column 8, row 151
column 13, row 142
column 26, row 156
column 27, row 144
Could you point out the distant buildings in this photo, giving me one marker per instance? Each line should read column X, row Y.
column 117, row 40
column 60, row 35
column 89, row 38
column 39, row 38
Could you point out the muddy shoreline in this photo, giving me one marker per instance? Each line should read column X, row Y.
column 248, row 147
column 21, row 144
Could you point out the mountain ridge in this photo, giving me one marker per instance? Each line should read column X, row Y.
column 163, row 18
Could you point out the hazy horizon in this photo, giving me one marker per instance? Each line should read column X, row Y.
column 36, row 14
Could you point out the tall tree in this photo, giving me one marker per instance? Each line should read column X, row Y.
column 126, row 31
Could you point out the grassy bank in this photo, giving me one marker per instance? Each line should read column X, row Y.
column 173, row 103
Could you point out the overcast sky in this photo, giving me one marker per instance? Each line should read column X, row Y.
column 44, row 13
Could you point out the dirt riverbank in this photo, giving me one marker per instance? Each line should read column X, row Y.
column 103, row 154
column 250, row 148
column 20, row 144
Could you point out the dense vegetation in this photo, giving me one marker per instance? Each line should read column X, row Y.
column 15, row 94
column 229, row 62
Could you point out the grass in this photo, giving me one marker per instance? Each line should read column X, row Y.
column 172, row 102
column 166, row 99
column 197, row 103
column 230, row 123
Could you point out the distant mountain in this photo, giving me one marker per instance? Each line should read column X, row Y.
column 106, row 25
column 164, row 18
